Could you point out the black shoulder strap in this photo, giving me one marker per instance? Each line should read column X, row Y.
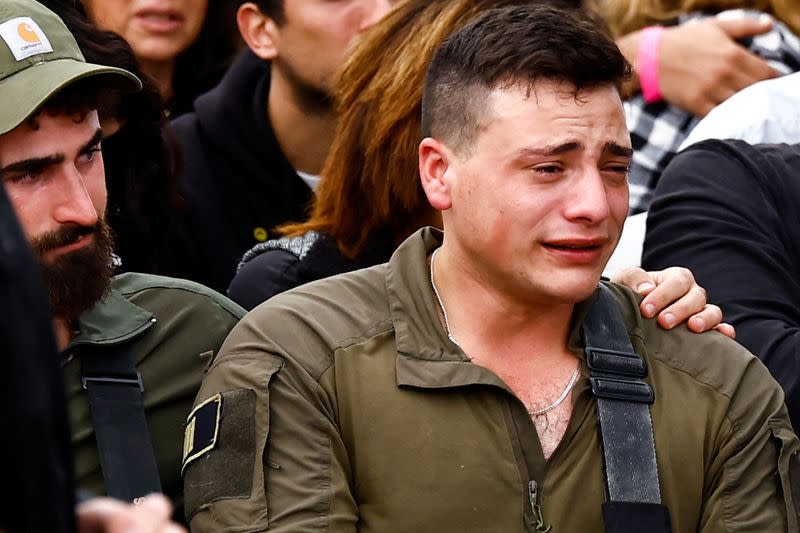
column 625, row 425
column 126, row 454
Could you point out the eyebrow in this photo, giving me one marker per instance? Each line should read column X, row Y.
column 94, row 141
column 617, row 149
column 36, row 165
column 550, row 149
column 558, row 149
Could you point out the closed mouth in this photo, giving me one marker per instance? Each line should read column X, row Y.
column 160, row 17
column 575, row 246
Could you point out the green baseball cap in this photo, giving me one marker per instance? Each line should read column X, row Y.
column 38, row 58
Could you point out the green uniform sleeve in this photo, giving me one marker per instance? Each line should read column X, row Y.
column 272, row 459
column 751, row 483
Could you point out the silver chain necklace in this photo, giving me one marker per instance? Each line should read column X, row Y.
column 537, row 412
column 441, row 305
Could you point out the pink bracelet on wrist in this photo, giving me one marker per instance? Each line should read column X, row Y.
column 647, row 68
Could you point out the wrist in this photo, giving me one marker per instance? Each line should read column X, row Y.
column 647, row 63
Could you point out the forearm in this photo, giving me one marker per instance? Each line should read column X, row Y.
column 718, row 67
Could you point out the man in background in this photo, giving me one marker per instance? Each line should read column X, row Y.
column 255, row 145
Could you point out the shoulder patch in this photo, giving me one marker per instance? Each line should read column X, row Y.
column 202, row 428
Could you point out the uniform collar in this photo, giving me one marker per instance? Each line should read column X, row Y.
column 111, row 321
column 426, row 356
column 411, row 304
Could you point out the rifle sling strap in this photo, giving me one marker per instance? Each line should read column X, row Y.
column 625, row 424
column 115, row 388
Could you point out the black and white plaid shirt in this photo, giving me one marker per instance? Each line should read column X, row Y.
column 658, row 129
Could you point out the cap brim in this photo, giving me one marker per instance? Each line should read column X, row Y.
column 24, row 92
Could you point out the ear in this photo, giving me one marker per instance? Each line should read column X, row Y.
column 434, row 164
column 259, row 31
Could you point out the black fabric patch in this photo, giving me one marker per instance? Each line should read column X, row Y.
column 226, row 471
column 201, row 429
column 627, row 517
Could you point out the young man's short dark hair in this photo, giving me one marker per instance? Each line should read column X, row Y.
column 494, row 51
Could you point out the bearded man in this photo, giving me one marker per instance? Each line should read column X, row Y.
column 134, row 347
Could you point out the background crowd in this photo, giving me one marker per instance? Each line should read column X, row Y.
column 274, row 143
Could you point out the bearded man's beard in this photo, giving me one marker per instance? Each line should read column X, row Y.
column 76, row 281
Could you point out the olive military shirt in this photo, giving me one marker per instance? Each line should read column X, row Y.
column 342, row 406
column 173, row 328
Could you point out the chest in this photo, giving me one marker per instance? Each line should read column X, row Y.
column 465, row 452
column 462, row 457
column 547, row 399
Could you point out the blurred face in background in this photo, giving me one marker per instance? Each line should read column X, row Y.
column 157, row 30
column 313, row 40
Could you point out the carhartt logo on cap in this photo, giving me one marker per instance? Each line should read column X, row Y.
column 24, row 38
column 27, row 33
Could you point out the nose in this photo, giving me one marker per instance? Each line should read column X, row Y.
column 588, row 202
column 375, row 12
column 74, row 203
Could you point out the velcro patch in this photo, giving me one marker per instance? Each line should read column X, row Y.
column 202, row 428
column 227, row 472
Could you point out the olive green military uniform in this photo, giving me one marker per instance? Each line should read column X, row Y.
column 173, row 328
column 342, row 406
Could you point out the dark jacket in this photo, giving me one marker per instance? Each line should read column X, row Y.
column 237, row 183
column 278, row 265
column 729, row 212
column 37, row 493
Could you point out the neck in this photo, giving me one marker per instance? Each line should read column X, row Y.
column 507, row 326
column 304, row 133
column 63, row 333
column 161, row 72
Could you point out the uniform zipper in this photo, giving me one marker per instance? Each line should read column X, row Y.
column 533, row 497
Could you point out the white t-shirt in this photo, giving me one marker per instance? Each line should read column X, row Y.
column 311, row 180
